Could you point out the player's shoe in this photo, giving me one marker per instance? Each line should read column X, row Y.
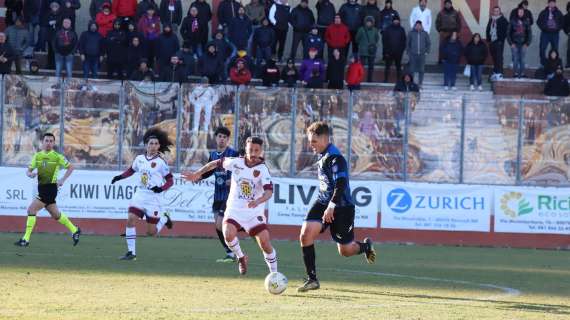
column 75, row 236
column 369, row 253
column 22, row 243
column 310, row 284
column 242, row 265
column 229, row 258
column 169, row 222
column 128, row 256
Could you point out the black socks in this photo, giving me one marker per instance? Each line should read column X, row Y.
column 309, row 259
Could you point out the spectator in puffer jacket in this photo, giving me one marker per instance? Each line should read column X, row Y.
column 6, row 55
column 310, row 64
column 211, row 65
column 65, row 43
column 135, row 53
column 18, row 40
column 418, row 47
column 354, row 74
column 188, row 61
column 475, row 54
column 371, row 9
column 394, row 44
column 552, row 63
column 125, row 9
column 96, row 6
column 325, row 15
column 166, row 46
column 143, row 6
column 337, row 36
column 227, row 10
column 149, row 25
column 263, row 41
column 204, row 17
column 239, row 30
column 105, row 20
column 174, row 72
column 350, row 15
column 68, row 9
column 519, row 37
column 116, row 50
column 270, row 74
column 290, row 74
column 90, row 45
column 224, row 49
column 314, row 40
column 192, row 31
column 143, row 72
column 367, row 39
column 171, row 13
column 451, row 52
column 550, row 21
column 301, row 19
column 240, row 74
column 387, row 15
column 527, row 13
column 448, row 21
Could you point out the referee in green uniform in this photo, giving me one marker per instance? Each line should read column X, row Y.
column 48, row 162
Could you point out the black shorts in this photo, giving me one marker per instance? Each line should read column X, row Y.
column 47, row 193
column 342, row 227
column 219, row 207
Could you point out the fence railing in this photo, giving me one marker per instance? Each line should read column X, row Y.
column 432, row 137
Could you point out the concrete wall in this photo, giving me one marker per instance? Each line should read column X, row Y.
column 470, row 9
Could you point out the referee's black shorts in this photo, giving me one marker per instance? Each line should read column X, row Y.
column 47, row 193
column 342, row 227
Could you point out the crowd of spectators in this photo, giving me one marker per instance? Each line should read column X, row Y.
column 144, row 40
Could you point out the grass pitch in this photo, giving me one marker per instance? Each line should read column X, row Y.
column 179, row 279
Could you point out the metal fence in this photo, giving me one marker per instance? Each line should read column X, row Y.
column 435, row 137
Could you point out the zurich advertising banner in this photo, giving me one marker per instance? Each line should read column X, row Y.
column 422, row 206
column 292, row 199
column 532, row 210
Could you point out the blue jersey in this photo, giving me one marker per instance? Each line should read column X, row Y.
column 333, row 166
column 222, row 177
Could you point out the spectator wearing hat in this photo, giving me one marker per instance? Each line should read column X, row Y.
column 418, row 47
column 143, row 6
column 240, row 74
column 421, row 13
column 354, row 74
column 116, row 51
column 143, row 72
column 18, row 39
column 188, row 61
column 263, row 41
column 279, row 17
column 166, row 46
column 243, row 55
column 96, row 6
column 135, row 53
column 290, row 74
column 367, row 39
column 105, row 20
column 314, row 40
column 387, row 15
column 270, row 74
column 557, row 86
column 6, row 55
column 550, row 21
column 192, row 31
column 125, row 9
column 211, row 66
column 302, row 20
column 171, row 13
column 90, row 48
column 349, row 13
column 335, row 70
column 174, row 71
column 325, row 15
column 447, row 21
column 204, row 17
column 394, row 45
column 50, row 23
column 149, row 25
column 310, row 64
column 337, row 36
column 64, row 43
column 239, row 30
column 227, row 10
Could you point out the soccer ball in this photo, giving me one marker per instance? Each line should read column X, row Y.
column 276, row 283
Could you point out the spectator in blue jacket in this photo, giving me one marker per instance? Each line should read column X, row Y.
column 227, row 10
column 301, row 19
column 166, row 46
column 325, row 15
column 451, row 52
column 314, row 40
column 239, row 30
column 90, row 43
column 263, row 41
column 350, row 16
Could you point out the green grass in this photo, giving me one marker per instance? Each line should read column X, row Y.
column 179, row 279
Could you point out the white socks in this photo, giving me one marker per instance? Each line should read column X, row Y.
column 271, row 260
column 234, row 246
column 131, row 236
column 160, row 224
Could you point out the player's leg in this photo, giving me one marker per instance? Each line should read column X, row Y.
column 218, row 209
column 33, row 209
column 64, row 220
column 342, row 232
column 163, row 221
column 309, row 232
column 264, row 242
column 230, row 228
column 131, row 233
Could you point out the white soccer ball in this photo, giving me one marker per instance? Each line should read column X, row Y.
column 276, row 283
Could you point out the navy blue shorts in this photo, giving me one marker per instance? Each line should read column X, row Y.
column 342, row 227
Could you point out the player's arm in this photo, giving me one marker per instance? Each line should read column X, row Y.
column 209, row 173
column 197, row 175
column 267, row 190
column 340, row 174
column 31, row 167
column 129, row 172
column 167, row 184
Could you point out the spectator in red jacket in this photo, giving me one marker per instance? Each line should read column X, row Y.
column 104, row 20
column 125, row 9
column 337, row 36
column 354, row 74
column 240, row 74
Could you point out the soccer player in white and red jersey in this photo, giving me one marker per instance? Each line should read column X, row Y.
column 154, row 177
column 250, row 187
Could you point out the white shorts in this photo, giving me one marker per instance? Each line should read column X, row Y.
column 146, row 204
column 252, row 221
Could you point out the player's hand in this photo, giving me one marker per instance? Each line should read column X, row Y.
column 252, row 204
column 191, row 176
column 156, row 189
column 115, row 179
column 328, row 217
column 31, row 174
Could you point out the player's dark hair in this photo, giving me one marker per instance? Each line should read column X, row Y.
column 319, row 128
column 254, row 140
column 161, row 136
column 48, row 134
column 222, row 130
